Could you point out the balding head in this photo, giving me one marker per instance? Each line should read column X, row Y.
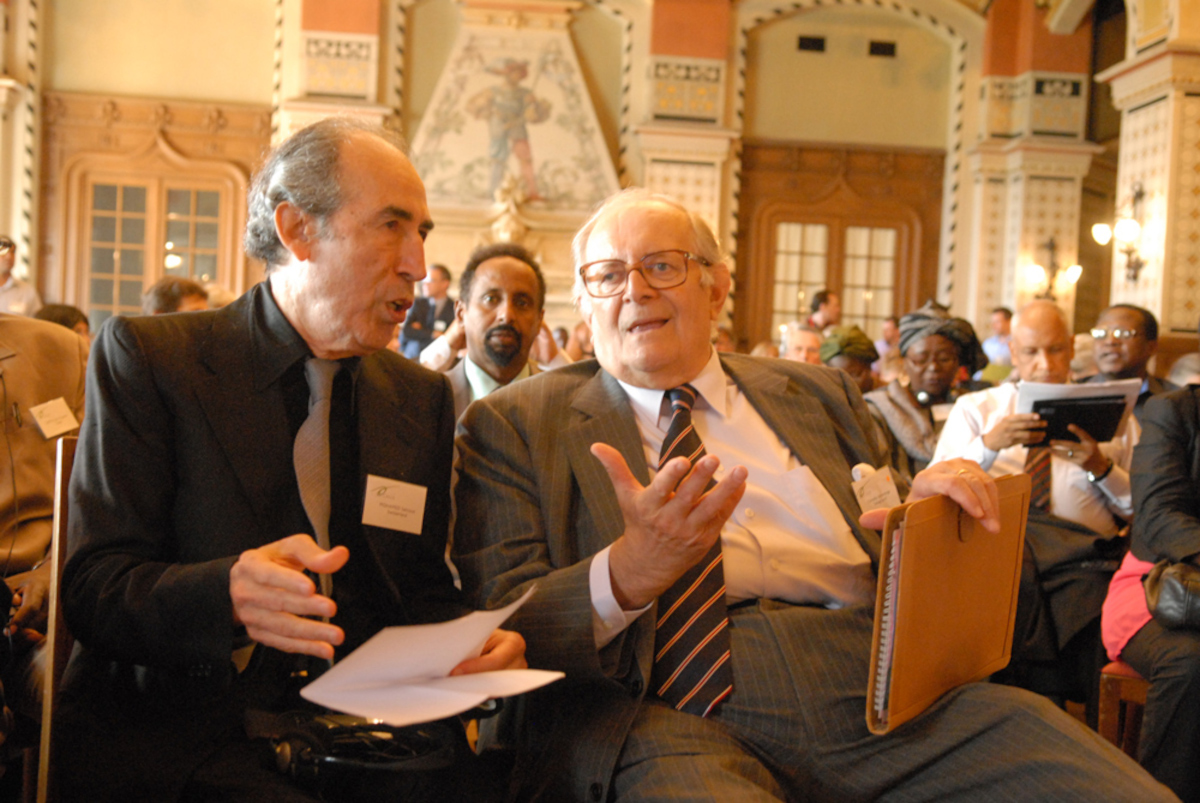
column 1042, row 345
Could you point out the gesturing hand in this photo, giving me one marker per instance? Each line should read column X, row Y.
column 669, row 524
column 1019, row 428
column 272, row 595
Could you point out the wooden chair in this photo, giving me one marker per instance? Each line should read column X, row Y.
column 58, row 640
column 1122, row 701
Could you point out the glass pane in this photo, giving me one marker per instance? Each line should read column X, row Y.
column 858, row 241
column 102, row 292
column 856, row 270
column 177, row 234
column 853, row 305
column 176, row 265
column 133, row 230
column 792, row 273
column 131, row 263
column 783, row 296
column 881, row 271
column 207, row 204
column 104, row 196
column 102, row 260
column 814, row 270
column 205, row 267
column 104, row 229
column 883, row 242
column 97, row 317
column 133, row 199
column 206, row 235
column 816, row 238
column 131, row 293
column 179, row 202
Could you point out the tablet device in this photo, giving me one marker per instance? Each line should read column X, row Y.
column 1099, row 416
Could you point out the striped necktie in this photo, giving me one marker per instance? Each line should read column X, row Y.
column 1037, row 466
column 691, row 642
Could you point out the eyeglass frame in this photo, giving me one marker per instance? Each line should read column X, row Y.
column 1117, row 333
column 630, row 267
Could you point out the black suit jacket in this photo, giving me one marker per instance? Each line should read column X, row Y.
column 185, row 461
column 421, row 323
column 1166, row 478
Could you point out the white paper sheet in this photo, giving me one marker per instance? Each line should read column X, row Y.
column 401, row 675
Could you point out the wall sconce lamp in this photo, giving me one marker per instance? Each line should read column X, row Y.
column 1037, row 275
column 1128, row 232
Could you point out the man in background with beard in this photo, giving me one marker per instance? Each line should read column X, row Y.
column 501, row 297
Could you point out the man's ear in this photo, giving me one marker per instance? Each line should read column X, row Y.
column 719, row 290
column 459, row 309
column 295, row 229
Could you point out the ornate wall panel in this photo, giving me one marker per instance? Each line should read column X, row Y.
column 842, row 186
column 225, row 139
column 1146, row 159
column 688, row 89
column 1182, row 302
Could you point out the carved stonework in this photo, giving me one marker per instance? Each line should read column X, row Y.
column 340, row 65
column 1035, row 103
column 688, row 89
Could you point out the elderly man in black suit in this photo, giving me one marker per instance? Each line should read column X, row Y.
column 716, row 641
column 192, row 528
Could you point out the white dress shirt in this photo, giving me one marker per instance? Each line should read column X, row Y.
column 482, row 383
column 1072, row 496
column 787, row 539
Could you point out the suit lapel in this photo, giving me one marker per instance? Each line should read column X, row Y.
column 604, row 416
column 242, row 409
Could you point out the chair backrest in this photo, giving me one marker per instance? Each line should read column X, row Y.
column 58, row 640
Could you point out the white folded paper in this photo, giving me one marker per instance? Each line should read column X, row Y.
column 401, row 674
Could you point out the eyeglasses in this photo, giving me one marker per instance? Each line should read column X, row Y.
column 6, row 246
column 1117, row 334
column 661, row 270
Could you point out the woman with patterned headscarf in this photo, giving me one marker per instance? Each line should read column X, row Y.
column 910, row 413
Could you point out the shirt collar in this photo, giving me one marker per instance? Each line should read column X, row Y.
column 482, row 383
column 281, row 345
column 648, row 404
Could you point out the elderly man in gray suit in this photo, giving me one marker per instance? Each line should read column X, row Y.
column 713, row 614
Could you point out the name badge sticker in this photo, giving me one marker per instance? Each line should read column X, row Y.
column 54, row 418
column 877, row 490
column 394, row 505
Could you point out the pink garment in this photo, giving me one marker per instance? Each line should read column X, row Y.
column 1125, row 611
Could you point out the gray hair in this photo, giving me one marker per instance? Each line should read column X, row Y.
column 302, row 170
column 706, row 245
column 795, row 328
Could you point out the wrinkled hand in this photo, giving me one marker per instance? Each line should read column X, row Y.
column 667, row 528
column 504, row 649
column 31, row 601
column 961, row 480
column 272, row 596
column 1017, row 429
column 1086, row 454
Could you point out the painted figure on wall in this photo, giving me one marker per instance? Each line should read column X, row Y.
column 509, row 107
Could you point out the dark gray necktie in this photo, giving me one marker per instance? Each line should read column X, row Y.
column 311, row 453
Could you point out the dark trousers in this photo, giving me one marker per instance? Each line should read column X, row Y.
column 1170, row 742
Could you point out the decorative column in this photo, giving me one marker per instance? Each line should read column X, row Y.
column 682, row 144
column 327, row 62
column 1157, row 90
column 20, row 91
column 1028, row 167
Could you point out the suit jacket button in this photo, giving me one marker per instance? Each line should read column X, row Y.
column 636, row 687
column 596, row 791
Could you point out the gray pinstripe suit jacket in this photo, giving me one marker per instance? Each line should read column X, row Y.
column 534, row 505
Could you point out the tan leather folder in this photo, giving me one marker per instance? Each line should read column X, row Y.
column 946, row 602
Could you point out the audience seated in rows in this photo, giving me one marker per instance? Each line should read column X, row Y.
column 1081, row 498
column 909, row 416
column 848, row 348
column 174, row 294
